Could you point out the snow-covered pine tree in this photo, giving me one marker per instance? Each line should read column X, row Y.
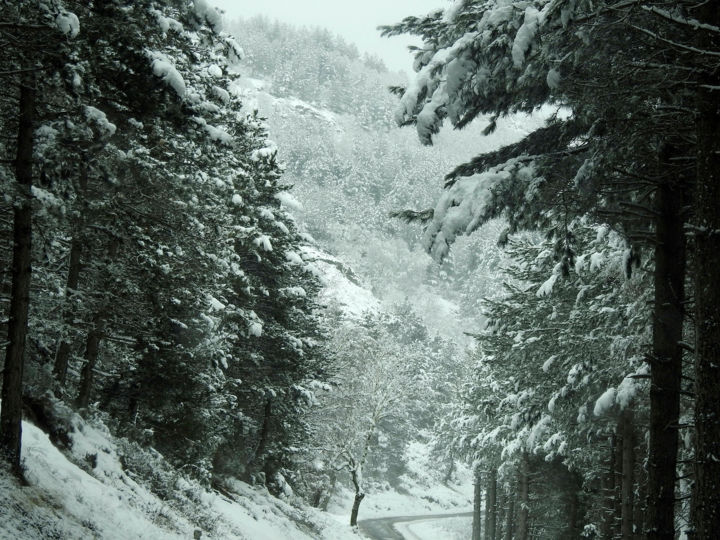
column 627, row 141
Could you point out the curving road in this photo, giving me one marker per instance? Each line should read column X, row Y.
column 383, row 528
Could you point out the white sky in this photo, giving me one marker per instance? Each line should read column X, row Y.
column 354, row 20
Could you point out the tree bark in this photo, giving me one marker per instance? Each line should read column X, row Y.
column 706, row 496
column 92, row 349
column 503, row 502
column 491, row 505
column 510, row 517
column 356, row 508
column 73, row 279
column 11, row 415
column 628, row 474
column 574, row 524
column 666, row 362
column 608, row 489
column 523, row 498
column 359, row 495
column 259, row 456
column 477, row 507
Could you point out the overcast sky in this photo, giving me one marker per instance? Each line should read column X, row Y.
column 355, row 20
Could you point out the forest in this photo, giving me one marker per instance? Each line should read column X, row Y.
column 253, row 284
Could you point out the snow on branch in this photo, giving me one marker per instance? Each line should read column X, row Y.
column 694, row 23
column 553, row 138
column 467, row 204
column 163, row 68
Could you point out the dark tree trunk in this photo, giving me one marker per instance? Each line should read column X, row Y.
column 450, row 470
column 11, row 415
column 523, row 521
column 510, row 517
column 608, row 490
column 491, row 504
column 92, row 349
column 73, row 279
column 356, row 508
column 666, row 362
column 503, row 501
column 259, row 457
column 640, row 505
column 706, row 496
column 359, row 496
column 63, row 352
column 628, row 474
column 618, row 481
column 477, row 507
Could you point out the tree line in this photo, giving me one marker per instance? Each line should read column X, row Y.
column 151, row 273
column 630, row 157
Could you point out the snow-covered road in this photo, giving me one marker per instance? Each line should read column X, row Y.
column 414, row 527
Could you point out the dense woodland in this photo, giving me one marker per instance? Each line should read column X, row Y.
column 164, row 263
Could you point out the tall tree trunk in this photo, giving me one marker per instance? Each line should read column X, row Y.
column 450, row 469
column 510, row 517
column 608, row 489
column 92, row 349
column 477, row 506
column 11, row 415
column 628, row 474
column 73, row 279
column 503, row 501
column 666, row 361
column 706, row 496
column 640, row 518
column 359, row 494
column 575, row 509
column 259, row 457
column 491, row 504
column 523, row 521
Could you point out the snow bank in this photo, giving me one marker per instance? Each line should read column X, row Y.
column 340, row 287
column 86, row 493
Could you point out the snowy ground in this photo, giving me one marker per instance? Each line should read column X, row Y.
column 459, row 528
column 420, row 492
column 87, row 494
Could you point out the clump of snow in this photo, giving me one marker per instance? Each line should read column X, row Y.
column 293, row 257
column 162, row 67
column 548, row 363
column 547, row 287
column 215, row 133
column 215, row 71
column 255, row 328
column 268, row 151
column 553, row 79
column 263, row 241
column 451, row 13
column 629, row 387
column 466, row 205
column 167, row 23
column 208, row 13
column 286, row 199
column 99, row 120
column 45, row 197
column 237, row 199
column 68, row 23
column 525, row 35
column 222, row 94
column 605, row 402
column 596, row 261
